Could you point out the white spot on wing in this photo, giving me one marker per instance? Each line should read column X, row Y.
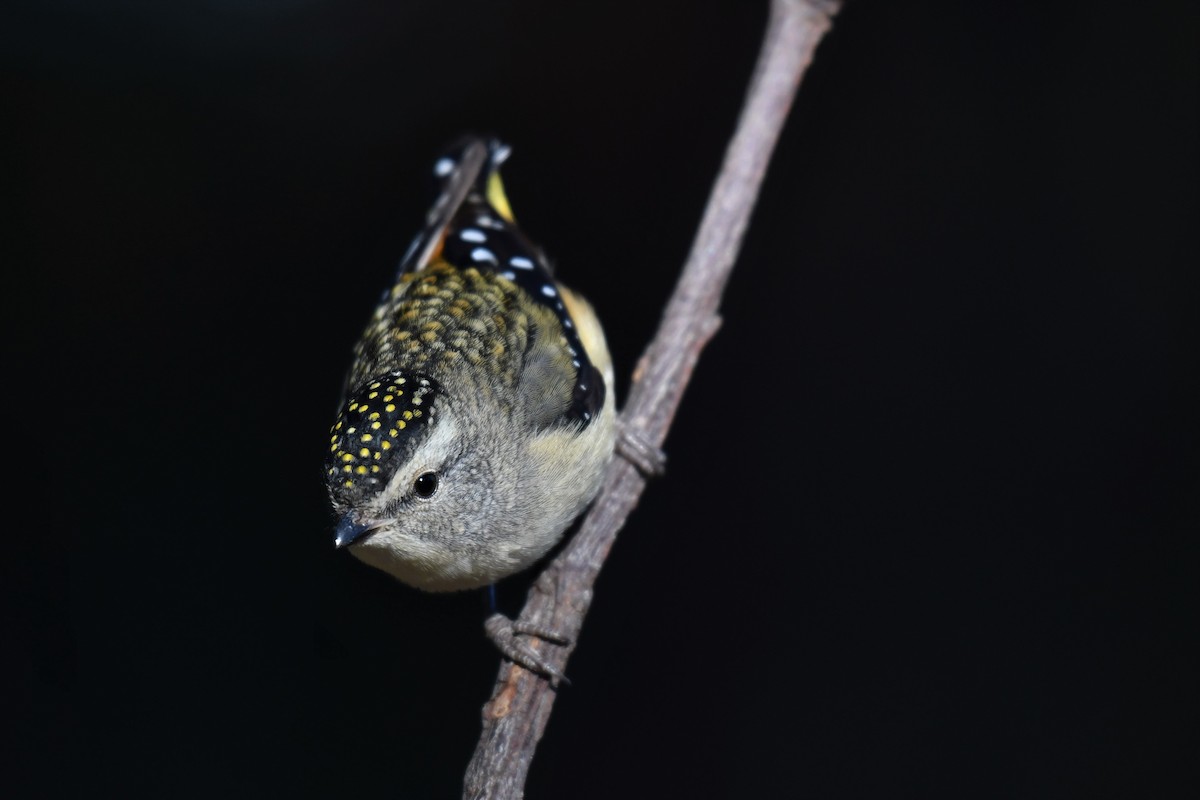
column 521, row 262
column 483, row 254
column 443, row 166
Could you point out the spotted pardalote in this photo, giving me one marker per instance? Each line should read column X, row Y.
column 478, row 416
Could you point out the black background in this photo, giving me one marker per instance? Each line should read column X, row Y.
column 929, row 522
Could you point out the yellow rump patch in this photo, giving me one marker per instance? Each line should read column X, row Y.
column 496, row 196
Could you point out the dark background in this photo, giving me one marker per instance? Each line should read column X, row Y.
column 928, row 528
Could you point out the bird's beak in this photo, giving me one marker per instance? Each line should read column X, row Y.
column 350, row 530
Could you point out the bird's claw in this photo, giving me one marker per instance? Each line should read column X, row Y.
column 635, row 448
column 503, row 632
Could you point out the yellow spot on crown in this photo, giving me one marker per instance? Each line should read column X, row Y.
column 375, row 426
column 364, row 452
column 408, row 415
column 347, row 457
column 400, row 424
column 374, row 415
column 372, row 395
column 353, row 406
column 387, row 398
column 348, row 483
column 366, row 437
column 390, row 407
column 385, row 444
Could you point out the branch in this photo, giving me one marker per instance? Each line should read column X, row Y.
column 516, row 716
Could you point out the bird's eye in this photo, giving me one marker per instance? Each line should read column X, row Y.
column 426, row 484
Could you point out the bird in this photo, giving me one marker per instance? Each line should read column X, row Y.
column 478, row 412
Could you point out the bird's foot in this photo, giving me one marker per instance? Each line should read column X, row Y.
column 635, row 448
column 504, row 632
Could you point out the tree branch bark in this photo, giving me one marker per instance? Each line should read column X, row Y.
column 516, row 715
